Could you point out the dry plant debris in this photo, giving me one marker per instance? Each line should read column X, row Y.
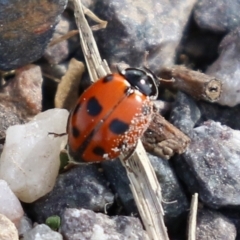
column 199, row 85
column 67, row 90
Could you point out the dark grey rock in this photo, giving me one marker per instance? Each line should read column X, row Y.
column 119, row 182
column 24, row 33
column 223, row 114
column 85, row 225
column 214, row 225
column 139, row 26
column 81, row 187
column 233, row 215
column 175, row 203
column 185, row 113
column 210, row 166
column 217, row 15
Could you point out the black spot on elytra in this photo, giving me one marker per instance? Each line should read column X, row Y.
column 93, row 107
column 76, row 108
column 75, row 132
column 146, row 110
column 108, row 78
column 99, row 151
column 118, row 127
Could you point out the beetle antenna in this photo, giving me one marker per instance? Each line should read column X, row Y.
column 172, row 80
column 145, row 60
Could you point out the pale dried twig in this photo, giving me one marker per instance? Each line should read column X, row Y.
column 63, row 38
column 96, row 66
column 147, row 192
column 193, row 218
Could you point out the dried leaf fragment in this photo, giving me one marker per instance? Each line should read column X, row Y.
column 163, row 139
column 67, row 91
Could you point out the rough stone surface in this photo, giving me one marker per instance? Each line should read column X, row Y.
column 226, row 68
column 7, row 118
column 81, row 187
column 213, row 225
column 217, row 15
column 25, row 91
column 119, row 183
column 225, row 115
column 85, row 225
column 60, row 52
column 21, row 97
column 9, row 204
column 25, row 225
column 7, row 229
column 210, row 166
column 30, row 159
column 24, row 33
column 139, row 26
column 175, row 203
column 187, row 114
column 42, row 232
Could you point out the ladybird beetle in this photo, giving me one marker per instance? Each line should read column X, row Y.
column 111, row 115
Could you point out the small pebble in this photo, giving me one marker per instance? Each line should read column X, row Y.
column 185, row 113
column 87, row 225
column 42, row 232
column 21, row 96
column 210, row 166
column 25, row 225
column 8, row 230
column 9, row 204
column 214, row 225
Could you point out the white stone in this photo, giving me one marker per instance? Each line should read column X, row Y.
column 10, row 206
column 30, row 159
column 42, row 232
